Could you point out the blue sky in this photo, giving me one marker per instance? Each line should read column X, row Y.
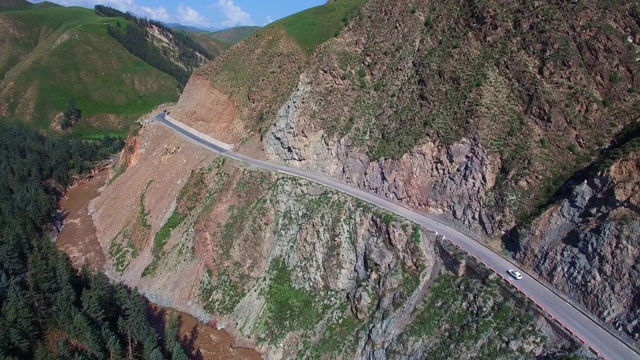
column 206, row 13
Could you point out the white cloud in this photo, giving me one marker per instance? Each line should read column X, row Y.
column 234, row 15
column 269, row 20
column 188, row 16
column 159, row 13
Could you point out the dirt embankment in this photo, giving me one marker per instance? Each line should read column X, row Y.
column 209, row 111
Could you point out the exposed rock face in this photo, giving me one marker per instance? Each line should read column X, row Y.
column 452, row 179
column 406, row 79
column 291, row 267
column 588, row 245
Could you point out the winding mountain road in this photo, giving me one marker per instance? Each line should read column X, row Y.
column 590, row 332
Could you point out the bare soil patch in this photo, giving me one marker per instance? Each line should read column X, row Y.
column 78, row 235
column 203, row 341
column 208, row 110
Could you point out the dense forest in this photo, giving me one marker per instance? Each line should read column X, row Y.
column 48, row 309
column 136, row 40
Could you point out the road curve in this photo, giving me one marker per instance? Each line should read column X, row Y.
column 591, row 333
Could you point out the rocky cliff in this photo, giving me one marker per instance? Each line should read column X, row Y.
column 587, row 245
column 455, row 179
column 474, row 110
column 398, row 100
column 298, row 270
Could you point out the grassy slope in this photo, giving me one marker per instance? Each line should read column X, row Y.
column 209, row 42
column 234, row 35
column 88, row 66
column 312, row 27
column 260, row 72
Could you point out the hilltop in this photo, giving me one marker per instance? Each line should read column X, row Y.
column 229, row 36
column 234, row 35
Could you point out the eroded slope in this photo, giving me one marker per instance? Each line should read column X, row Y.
column 297, row 269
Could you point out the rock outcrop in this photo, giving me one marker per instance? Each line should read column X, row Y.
column 588, row 246
column 447, row 179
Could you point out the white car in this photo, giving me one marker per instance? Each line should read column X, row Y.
column 516, row 275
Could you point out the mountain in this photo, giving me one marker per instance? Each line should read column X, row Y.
column 53, row 54
column 229, row 36
column 487, row 115
column 113, row 68
column 514, row 122
column 172, row 51
column 179, row 26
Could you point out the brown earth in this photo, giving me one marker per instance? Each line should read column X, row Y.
column 202, row 341
column 158, row 159
column 208, row 110
column 258, row 74
column 77, row 237
column 78, row 240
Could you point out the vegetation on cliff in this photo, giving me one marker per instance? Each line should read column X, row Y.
column 178, row 60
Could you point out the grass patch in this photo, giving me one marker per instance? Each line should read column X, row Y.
column 244, row 217
column 314, row 26
column 287, row 308
column 449, row 315
column 142, row 213
column 193, row 191
column 119, row 171
column 416, row 234
column 160, row 240
column 340, row 337
column 122, row 252
column 161, row 237
column 221, row 297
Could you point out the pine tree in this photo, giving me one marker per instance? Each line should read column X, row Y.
column 156, row 354
column 171, row 331
column 178, row 353
column 19, row 321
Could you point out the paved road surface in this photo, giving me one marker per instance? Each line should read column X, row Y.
column 596, row 337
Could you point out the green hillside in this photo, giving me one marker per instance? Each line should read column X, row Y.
column 234, row 35
column 53, row 54
column 261, row 71
column 209, row 42
column 312, row 27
